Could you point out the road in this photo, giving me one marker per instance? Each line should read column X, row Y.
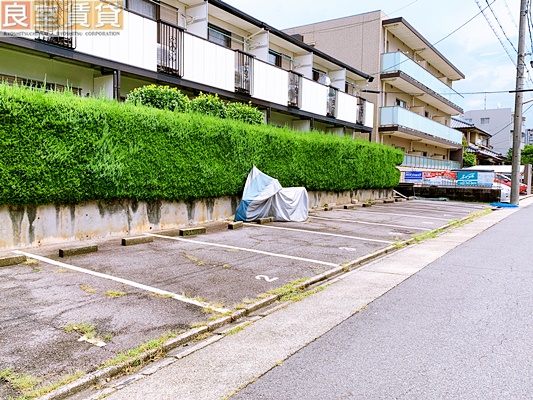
column 447, row 318
column 462, row 328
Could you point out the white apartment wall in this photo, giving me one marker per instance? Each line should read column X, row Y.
column 315, row 96
column 270, row 83
column 258, row 46
column 208, row 63
column 197, row 20
column 134, row 45
column 45, row 69
column 304, row 65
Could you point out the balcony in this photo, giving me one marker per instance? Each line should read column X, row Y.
column 189, row 59
column 410, row 77
column 169, row 49
column 406, row 124
column 412, row 161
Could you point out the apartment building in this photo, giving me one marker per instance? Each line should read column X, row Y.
column 499, row 122
column 478, row 142
column 413, row 87
column 107, row 48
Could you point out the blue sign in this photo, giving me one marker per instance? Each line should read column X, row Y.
column 413, row 176
column 467, row 178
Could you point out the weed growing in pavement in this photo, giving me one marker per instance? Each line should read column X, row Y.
column 28, row 386
column 113, row 293
column 198, row 324
column 246, row 302
column 194, row 259
column 88, row 289
column 300, row 295
column 131, row 355
column 203, row 336
column 83, row 328
column 162, row 296
column 238, row 328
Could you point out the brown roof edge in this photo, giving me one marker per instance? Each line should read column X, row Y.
column 401, row 20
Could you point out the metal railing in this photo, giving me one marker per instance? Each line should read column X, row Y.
column 244, row 72
column 429, row 163
column 52, row 22
column 331, row 109
column 169, row 48
column 361, row 111
column 295, row 83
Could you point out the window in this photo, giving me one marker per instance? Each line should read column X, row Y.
column 469, row 120
column 401, row 103
column 274, row 58
column 219, row 36
column 321, row 77
column 485, row 121
column 143, row 7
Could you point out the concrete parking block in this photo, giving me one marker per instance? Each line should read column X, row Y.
column 192, row 231
column 388, row 201
column 11, row 260
column 130, row 241
column 235, row 225
column 349, row 206
column 72, row 251
column 266, row 220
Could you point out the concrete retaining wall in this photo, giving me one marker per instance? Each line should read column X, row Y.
column 33, row 226
column 479, row 194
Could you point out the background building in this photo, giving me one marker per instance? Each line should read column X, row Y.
column 478, row 142
column 413, row 87
column 499, row 123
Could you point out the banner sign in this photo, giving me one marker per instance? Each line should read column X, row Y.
column 413, row 176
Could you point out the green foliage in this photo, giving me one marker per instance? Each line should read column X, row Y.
column 209, row 104
column 245, row 113
column 59, row 148
column 469, row 159
column 526, row 157
column 161, row 97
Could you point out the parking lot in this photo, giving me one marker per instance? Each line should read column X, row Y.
column 130, row 294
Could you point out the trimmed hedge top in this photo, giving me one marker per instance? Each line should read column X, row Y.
column 59, row 148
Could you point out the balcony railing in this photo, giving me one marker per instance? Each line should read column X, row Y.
column 331, row 108
column 392, row 62
column 429, row 163
column 398, row 116
column 295, row 82
column 52, row 22
column 169, row 49
column 244, row 72
column 361, row 111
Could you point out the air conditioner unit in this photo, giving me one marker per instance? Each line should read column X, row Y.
column 242, row 79
column 167, row 58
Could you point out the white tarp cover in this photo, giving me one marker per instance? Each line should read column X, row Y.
column 264, row 197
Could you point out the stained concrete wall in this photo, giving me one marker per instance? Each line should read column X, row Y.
column 33, row 226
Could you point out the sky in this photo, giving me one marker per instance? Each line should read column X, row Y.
column 488, row 61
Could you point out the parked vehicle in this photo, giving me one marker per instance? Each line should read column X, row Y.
column 505, row 180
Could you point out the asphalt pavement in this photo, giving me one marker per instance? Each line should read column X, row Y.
column 449, row 317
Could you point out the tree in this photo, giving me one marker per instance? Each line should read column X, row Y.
column 527, row 155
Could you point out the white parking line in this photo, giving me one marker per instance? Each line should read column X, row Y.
column 370, row 223
column 402, row 215
column 321, row 233
column 124, row 281
column 225, row 246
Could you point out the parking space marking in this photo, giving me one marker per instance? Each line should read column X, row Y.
column 372, row 223
column 402, row 215
column 321, row 233
column 124, row 281
column 225, row 246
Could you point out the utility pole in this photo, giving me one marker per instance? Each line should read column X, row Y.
column 517, row 133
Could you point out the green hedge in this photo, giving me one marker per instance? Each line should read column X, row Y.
column 59, row 148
